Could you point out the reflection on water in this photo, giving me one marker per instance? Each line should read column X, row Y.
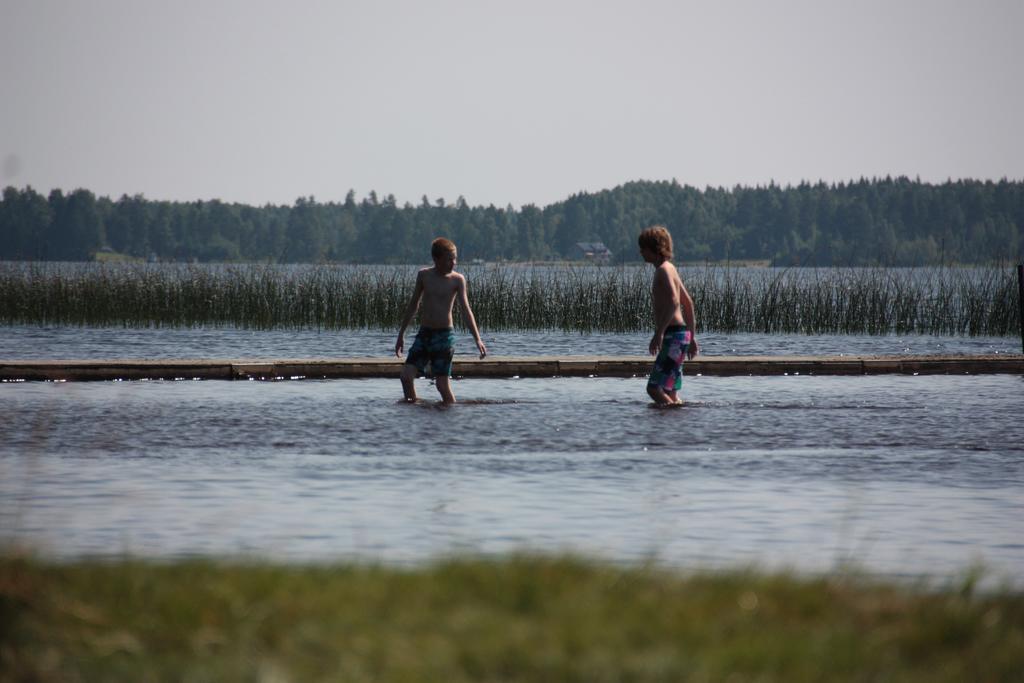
column 902, row 475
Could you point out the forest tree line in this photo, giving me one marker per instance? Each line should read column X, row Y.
column 890, row 221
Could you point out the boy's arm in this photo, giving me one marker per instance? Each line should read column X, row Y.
column 467, row 313
column 690, row 318
column 410, row 311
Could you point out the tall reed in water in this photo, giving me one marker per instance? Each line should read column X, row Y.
column 956, row 301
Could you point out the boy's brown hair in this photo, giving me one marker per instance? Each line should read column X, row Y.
column 657, row 239
column 441, row 246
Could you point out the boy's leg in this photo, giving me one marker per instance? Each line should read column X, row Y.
column 415, row 364
column 444, row 387
column 442, row 351
column 659, row 395
column 409, row 382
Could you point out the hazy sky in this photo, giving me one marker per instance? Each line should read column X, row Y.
column 502, row 102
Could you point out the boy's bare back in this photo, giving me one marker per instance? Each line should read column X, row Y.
column 667, row 294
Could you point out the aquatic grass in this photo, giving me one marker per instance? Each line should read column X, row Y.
column 515, row 618
column 943, row 301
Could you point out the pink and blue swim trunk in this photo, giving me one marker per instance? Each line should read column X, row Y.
column 668, row 365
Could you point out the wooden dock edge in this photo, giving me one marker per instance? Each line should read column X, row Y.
column 498, row 367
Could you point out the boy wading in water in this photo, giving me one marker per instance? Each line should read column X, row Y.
column 673, row 318
column 433, row 348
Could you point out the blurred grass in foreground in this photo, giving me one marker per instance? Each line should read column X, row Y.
column 513, row 619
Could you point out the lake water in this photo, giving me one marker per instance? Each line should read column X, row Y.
column 903, row 476
column 38, row 343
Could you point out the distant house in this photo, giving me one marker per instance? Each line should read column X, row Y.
column 594, row 252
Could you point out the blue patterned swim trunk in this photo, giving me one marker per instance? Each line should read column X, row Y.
column 433, row 347
column 668, row 365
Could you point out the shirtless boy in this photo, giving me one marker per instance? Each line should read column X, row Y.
column 433, row 348
column 674, row 321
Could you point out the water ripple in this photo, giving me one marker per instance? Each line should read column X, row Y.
column 902, row 474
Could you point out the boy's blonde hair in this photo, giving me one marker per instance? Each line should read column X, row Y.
column 657, row 239
column 441, row 246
